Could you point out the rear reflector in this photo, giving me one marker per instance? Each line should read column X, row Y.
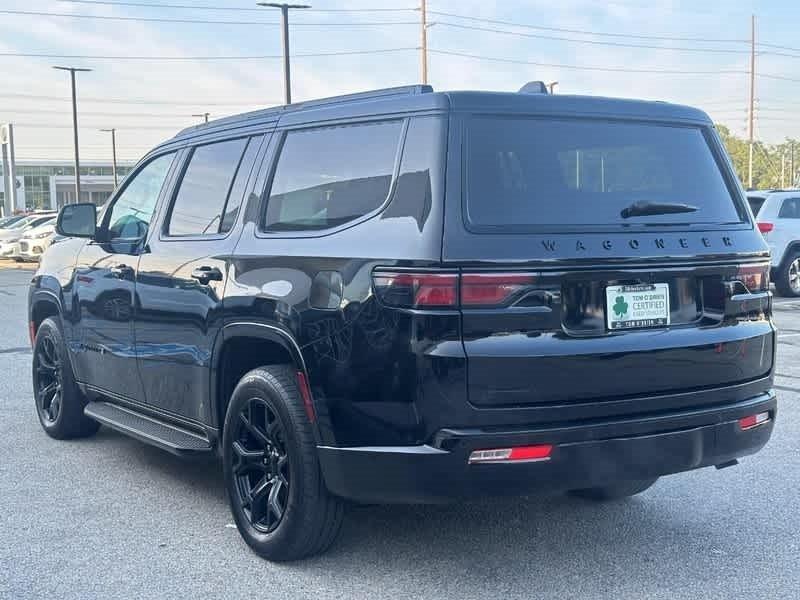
column 305, row 394
column 765, row 227
column 753, row 421
column 32, row 332
column 518, row 454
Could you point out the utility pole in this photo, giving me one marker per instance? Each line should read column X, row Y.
column 287, row 79
column 203, row 116
column 72, row 71
column 752, row 98
column 783, row 171
column 551, row 87
column 423, row 9
column 113, row 152
column 792, row 176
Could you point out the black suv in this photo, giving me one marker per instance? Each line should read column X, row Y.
column 409, row 296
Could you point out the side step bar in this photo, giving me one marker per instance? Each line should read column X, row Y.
column 147, row 429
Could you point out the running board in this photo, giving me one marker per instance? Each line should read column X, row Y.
column 147, row 429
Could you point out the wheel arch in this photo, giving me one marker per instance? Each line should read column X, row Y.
column 43, row 304
column 241, row 347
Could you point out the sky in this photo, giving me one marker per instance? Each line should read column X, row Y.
column 150, row 100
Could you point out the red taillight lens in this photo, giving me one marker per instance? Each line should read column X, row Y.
column 754, row 277
column 417, row 290
column 765, row 227
column 492, row 289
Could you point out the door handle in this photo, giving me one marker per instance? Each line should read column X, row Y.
column 206, row 274
column 121, row 271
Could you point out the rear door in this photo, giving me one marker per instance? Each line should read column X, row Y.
column 181, row 279
column 602, row 260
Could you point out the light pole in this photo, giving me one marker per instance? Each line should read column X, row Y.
column 552, row 86
column 203, row 116
column 113, row 152
column 287, row 85
column 72, row 71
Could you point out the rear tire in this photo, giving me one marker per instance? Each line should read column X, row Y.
column 59, row 401
column 277, row 494
column 787, row 280
column 616, row 491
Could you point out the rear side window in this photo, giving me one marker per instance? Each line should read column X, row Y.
column 205, row 188
column 529, row 173
column 755, row 202
column 331, row 175
column 790, row 209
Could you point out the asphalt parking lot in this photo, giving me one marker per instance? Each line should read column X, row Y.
column 109, row 517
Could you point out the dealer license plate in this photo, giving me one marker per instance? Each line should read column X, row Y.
column 635, row 306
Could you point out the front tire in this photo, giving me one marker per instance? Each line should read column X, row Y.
column 59, row 401
column 787, row 281
column 616, row 491
column 278, row 497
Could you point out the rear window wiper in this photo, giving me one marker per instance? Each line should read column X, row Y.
column 641, row 209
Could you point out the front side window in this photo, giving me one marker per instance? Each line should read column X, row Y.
column 531, row 172
column 328, row 176
column 204, row 190
column 133, row 208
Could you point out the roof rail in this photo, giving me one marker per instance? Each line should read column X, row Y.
column 405, row 90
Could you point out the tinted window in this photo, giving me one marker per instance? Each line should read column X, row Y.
column 239, row 183
column 332, row 175
column 790, row 209
column 533, row 172
column 755, row 202
column 204, row 189
column 133, row 208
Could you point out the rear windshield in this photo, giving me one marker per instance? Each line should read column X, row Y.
column 531, row 173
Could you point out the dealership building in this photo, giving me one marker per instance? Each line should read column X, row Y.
column 50, row 184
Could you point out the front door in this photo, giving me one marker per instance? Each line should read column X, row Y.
column 103, row 341
column 181, row 278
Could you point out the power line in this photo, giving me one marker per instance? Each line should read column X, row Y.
column 97, row 114
column 231, row 8
column 94, row 127
column 32, row 13
column 257, row 103
column 593, row 42
column 590, row 68
column 201, row 58
column 587, row 32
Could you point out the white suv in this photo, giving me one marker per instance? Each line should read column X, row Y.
column 779, row 222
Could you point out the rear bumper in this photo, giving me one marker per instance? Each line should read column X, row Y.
column 583, row 456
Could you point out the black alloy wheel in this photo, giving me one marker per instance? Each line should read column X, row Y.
column 48, row 379
column 261, row 465
column 59, row 401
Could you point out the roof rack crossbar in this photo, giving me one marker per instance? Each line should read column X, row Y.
column 405, row 90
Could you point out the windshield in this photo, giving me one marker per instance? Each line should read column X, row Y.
column 529, row 172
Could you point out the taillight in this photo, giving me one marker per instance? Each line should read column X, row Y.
column 746, row 423
column 765, row 227
column 417, row 290
column 754, row 277
column 492, row 289
column 449, row 290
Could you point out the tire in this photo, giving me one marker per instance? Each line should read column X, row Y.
column 616, row 491
column 59, row 401
column 787, row 280
column 269, row 451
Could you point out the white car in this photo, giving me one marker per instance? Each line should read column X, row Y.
column 9, row 238
column 35, row 240
column 778, row 220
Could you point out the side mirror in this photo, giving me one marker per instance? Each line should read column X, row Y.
column 77, row 220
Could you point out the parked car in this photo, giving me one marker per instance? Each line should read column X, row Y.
column 404, row 296
column 35, row 240
column 779, row 223
column 7, row 222
column 9, row 238
column 756, row 199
